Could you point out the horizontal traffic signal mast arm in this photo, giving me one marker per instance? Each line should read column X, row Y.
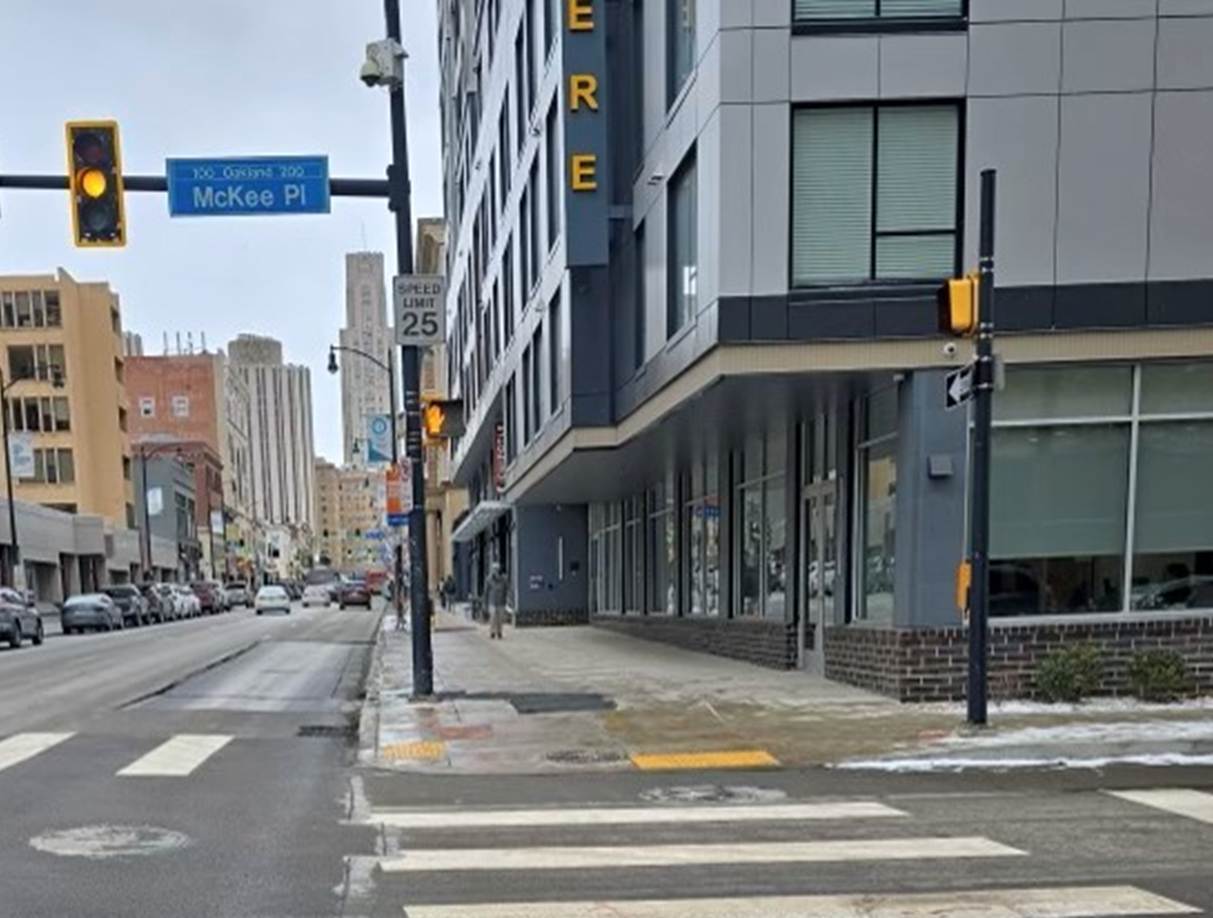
column 338, row 187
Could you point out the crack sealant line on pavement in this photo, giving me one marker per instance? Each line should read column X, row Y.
column 213, row 664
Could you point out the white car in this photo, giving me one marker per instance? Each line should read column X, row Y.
column 316, row 595
column 190, row 605
column 273, row 599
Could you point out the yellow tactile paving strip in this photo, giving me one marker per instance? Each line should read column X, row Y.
column 734, row 758
column 423, row 749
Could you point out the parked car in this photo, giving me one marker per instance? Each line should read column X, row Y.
column 316, row 595
column 211, row 596
column 191, row 606
column 273, row 598
column 130, row 603
column 90, row 612
column 355, row 593
column 237, row 593
column 19, row 619
column 159, row 609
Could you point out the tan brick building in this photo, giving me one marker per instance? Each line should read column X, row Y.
column 350, row 514
column 52, row 325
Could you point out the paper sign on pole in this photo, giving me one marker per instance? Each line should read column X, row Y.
column 155, row 501
column 399, row 493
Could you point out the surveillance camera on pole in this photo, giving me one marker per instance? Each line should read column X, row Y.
column 384, row 64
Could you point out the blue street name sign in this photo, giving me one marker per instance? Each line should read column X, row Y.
column 248, row 186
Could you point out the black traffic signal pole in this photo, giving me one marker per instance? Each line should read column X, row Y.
column 979, row 501
column 410, row 365
column 338, row 187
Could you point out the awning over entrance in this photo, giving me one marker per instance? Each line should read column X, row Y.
column 479, row 518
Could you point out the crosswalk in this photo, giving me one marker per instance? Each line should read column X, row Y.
column 177, row 757
column 595, row 861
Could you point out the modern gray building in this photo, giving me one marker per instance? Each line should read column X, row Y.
column 693, row 253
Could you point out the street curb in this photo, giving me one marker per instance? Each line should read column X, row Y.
column 368, row 716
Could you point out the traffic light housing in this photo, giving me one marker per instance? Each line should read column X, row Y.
column 442, row 419
column 94, row 178
column 959, row 301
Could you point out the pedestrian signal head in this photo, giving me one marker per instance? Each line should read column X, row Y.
column 94, row 177
column 958, row 301
column 442, row 420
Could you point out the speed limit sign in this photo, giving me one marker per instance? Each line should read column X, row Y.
column 420, row 310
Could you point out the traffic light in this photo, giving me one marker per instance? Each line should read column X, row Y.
column 959, row 304
column 442, row 420
column 94, row 176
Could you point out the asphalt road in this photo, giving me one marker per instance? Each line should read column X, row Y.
column 194, row 768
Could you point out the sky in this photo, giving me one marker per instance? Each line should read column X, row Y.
column 215, row 78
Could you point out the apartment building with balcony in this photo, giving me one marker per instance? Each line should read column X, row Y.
column 692, row 257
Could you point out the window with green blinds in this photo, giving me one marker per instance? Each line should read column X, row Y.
column 874, row 193
column 810, row 10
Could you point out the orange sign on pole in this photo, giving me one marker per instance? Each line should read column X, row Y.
column 399, row 493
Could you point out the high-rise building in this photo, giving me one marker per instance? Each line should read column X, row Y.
column 692, row 259
column 54, row 326
column 328, row 512
column 364, row 386
column 280, row 433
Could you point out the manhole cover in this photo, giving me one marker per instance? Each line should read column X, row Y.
column 712, row 793
column 101, row 842
column 585, row 756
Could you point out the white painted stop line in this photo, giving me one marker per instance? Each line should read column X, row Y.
column 1061, row 902
column 177, row 757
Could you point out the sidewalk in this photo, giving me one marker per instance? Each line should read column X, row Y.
column 562, row 699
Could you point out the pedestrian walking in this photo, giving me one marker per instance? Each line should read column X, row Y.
column 496, row 589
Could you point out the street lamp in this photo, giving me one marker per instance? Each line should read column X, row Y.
column 398, row 593
column 56, row 376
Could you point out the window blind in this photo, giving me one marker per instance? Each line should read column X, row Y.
column 832, row 194
column 835, row 9
column 884, row 9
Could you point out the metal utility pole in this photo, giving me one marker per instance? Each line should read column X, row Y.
column 979, row 507
column 410, row 365
column 15, row 557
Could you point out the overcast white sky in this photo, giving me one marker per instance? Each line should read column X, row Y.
column 214, row 78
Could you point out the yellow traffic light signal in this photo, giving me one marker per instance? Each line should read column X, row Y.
column 442, row 420
column 959, row 301
column 94, row 177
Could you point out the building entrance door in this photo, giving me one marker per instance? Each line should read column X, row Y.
column 819, row 568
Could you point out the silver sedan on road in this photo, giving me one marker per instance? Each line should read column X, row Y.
column 90, row 612
column 18, row 619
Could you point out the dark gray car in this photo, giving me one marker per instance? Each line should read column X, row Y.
column 19, row 619
column 90, row 612
column 130, row 603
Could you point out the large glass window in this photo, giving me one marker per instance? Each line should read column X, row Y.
column 683, row 256
column 877, row 467
column 639, row 303
column 633, row 554
column 662, row 550
column 702, row 538
column 874, row 193
column 680, row 45
column 606, row 573
column 1101, row 498
column 849, row 10
column 555, row 340
column 761, row 529
column 552, row 167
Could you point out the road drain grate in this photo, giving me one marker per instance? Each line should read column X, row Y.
column 327, row 731
column 586, row 756
column 537, row 702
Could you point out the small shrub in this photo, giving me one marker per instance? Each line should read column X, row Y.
column 1069, row 674
column 1159, row 675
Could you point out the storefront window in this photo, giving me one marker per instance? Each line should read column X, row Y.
column 1173, row 523
column 662, row 553
column 1057, row 510
column 1061, row 501
column 633, row 553
column 605, row 570
column 877, row 489
column 775, row 549
column 750, row 526
column 762, row 529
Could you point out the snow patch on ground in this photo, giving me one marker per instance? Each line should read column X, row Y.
column 957, row 763
column 1092, row 706
column 1145, row 731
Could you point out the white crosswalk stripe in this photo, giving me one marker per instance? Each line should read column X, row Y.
column 177, row 757
column 1180, row 801
column 622, row 816
column 531, row 843
column 22, row 746
column 1059, row 902
column 584, row 858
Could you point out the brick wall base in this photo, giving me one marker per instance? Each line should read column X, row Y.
column 767, row 643
column 932, row 664
column 544, row 618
